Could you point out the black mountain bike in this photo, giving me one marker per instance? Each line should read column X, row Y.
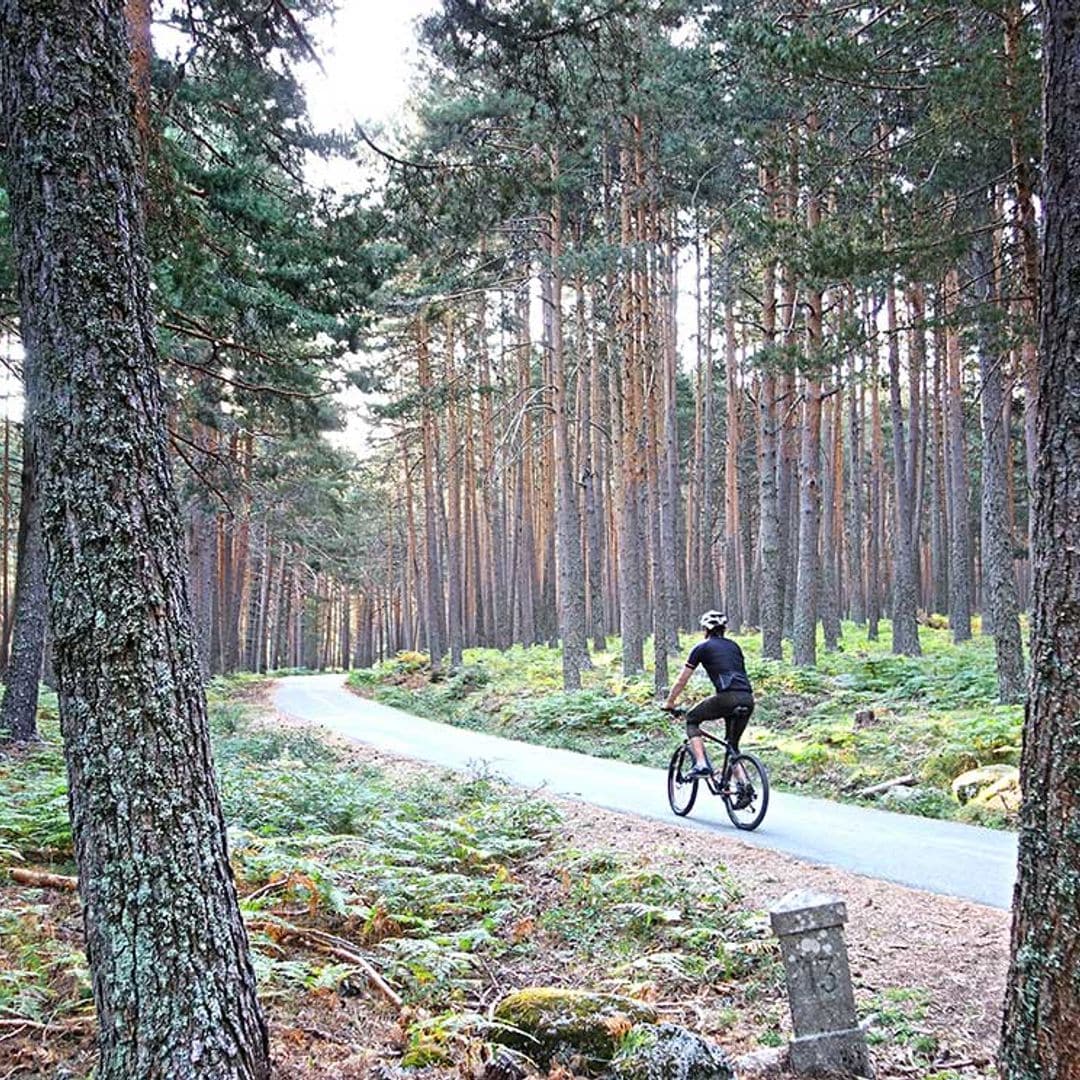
column 742, row 782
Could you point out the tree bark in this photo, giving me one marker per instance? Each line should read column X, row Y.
column 570, row 593
column 5, row 542
column 772, row 596
column 734, row 601
column 18, row 711
column 856, row 521
column 905, row 624
column 999, row 574
column 173, row 985
column 808, row 579
column 832, row 510
column 873, row 559
column 939, row 525
column 1041, row 1038
column 434, row 595
column 960, row 585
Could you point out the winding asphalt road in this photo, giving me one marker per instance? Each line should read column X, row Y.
column 937, row 856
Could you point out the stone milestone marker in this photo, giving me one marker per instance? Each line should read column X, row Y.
column 828, row 1040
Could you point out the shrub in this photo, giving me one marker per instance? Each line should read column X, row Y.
column 34, row 810
column 468, row 680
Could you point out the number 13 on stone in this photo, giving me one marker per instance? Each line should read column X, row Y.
column 828, row 1040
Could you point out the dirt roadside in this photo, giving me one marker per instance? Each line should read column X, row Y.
column 951, row 955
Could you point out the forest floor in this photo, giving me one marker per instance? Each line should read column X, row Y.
column 861, row 718
column 457, row 889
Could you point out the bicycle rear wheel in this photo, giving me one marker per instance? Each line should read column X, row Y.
column 746, row 794
column 681, row 791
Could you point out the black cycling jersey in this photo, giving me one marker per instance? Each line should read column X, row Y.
column 723, row 661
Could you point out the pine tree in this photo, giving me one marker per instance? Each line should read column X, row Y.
column 173, row 984
column 1040, row 1036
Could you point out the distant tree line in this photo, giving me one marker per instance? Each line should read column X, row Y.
column 852, row 434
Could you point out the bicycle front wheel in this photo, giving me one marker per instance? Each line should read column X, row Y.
column 681, row 790
column 746, row 795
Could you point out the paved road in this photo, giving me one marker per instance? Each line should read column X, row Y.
column 938, row 856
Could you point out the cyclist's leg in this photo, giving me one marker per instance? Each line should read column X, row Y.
column 708, row 709
column 738, row 707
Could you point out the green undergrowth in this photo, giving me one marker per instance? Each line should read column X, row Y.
column 935, row 716
column 452, row 887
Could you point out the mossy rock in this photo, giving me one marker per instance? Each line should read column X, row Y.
column 549, row 1023
column 968, row 786
column 1003, row 795
column 670, row 1052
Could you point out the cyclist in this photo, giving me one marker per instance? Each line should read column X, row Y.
column 733, row 701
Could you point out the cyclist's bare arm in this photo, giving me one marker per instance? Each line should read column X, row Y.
column 677, row 689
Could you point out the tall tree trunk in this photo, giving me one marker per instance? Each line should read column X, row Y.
column 590, row 411
column 916, row 452
column 873, row 560
column 939, row 526
column 450, row 510
column 772, row 596
column 1041, row 1038
column 18, row 710
column 524, row 573
column 999, row 574
column 960, row 585
column 905, row 603
column 173, row 985
column 570, row 564
column 5, row 542
column 856, row 528
column 631, row 548
column 733, row 554
column 708, row 435
column 808, row 580
column 434, row 595
column 1014, row 17
column 673, row 527
column 808, row 589
column 832, row 511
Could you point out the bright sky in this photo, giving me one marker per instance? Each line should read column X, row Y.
column 367, row 52
column 368, row 61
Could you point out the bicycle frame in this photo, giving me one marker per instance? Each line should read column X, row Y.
column 716, row 785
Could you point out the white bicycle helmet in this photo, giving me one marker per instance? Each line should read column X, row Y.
column 713, row 620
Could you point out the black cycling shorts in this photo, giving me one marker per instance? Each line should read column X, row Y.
column 722, row 706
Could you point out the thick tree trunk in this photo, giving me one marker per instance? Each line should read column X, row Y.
column 173, row 984
column 18, row 711
column 1041, row 1037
